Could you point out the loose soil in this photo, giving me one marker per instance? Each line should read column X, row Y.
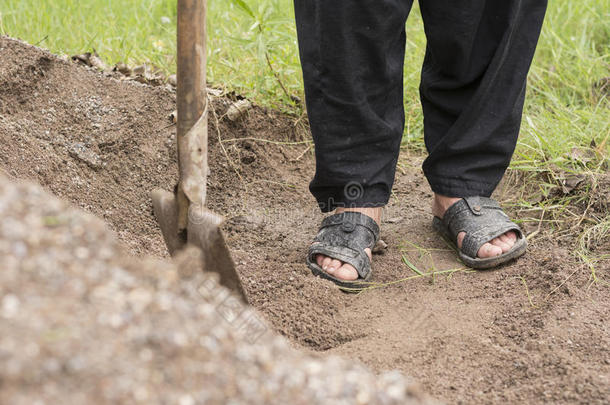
column 536, row 330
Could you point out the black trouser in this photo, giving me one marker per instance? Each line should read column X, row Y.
column 472, row 90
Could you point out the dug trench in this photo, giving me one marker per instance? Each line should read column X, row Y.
column 534, row 330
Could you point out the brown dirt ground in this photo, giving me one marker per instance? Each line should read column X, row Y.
column 533, row 331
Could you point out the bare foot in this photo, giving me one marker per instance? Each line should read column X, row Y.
column 337, row 268
column 494, row 247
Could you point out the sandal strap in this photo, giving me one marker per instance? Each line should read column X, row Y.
column 350, row 220
column 481, row 218
column 344, row 237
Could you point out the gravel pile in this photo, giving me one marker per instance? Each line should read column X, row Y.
column 81, row 322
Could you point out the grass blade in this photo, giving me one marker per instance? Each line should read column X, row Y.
column 242, row 5
column 411, row 265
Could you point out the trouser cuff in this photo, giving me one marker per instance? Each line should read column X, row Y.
column 352, row 195
column 458, row 188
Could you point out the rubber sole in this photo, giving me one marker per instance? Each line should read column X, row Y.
column 515, row 252
column 354, row 286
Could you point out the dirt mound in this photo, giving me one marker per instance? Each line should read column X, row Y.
column 535, row 330
column 83, row 323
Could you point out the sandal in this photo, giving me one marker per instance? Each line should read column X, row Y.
column 344, row 237
column 483, row 220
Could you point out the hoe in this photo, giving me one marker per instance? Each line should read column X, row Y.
column 182, row 215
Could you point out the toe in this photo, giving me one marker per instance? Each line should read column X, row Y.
column 502, row 245
column 492, row 248
column 504, row 238
column 512, row 236
column 334, row 265
column 338, row 269
column 346, row 272
column 489, row 250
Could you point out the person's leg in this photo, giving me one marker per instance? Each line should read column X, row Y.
column 472, row 91
column 352, row 56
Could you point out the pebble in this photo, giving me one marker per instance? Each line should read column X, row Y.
column 10, row 306
column 80, row 152
column 238, row 109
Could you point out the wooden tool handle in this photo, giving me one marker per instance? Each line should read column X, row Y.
column 192, row 107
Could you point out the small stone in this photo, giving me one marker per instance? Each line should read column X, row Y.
column 10, row 306
column 186, row 400
column 123, row 68
column 215, row 92
column 380, row 247
column 20, row 249
column 173, row 80
column 238, row 109
column 81, row 152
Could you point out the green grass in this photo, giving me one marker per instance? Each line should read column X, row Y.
column 253, row 50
